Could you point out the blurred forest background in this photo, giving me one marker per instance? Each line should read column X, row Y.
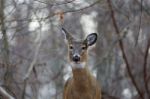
column 33, row 54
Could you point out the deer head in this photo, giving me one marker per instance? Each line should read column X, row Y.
column 77, row 49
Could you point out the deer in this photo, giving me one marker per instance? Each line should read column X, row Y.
column 82, row 85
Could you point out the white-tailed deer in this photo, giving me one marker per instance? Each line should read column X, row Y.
column 82, row 85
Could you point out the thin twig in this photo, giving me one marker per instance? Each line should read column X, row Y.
column 123, row 50
column 148, row 79
column 55, row 4
column 145, row 69
column 54, row 14
column 109, row 96
column 112, row 45
column 4, row 92
column 145, row 8
column 34, row 59
column 81, row 9
column 63, row 3
column 36, row 53
column 141, row 9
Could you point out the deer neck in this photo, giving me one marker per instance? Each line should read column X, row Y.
column 81, row 79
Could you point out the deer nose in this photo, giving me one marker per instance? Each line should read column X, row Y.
column 76, row 58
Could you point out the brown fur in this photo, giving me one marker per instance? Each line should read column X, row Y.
column 82, row 86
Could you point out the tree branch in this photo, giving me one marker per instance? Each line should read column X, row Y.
column 112, row 45
column 145, row 8
column 108, row 96
column 123, row 50
column 145, row 76
column 55, row 4
column 54, row 14
column 141, row 9
column 31, row 67
column 4, row 92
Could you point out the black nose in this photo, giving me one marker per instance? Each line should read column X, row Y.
column 76, row 58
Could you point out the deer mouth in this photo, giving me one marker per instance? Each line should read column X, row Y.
column 77, row 65
column 76, row 61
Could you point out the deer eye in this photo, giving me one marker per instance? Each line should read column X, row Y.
column 70, row 47
column 83, row 47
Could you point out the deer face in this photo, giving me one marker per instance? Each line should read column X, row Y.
column 77, row 49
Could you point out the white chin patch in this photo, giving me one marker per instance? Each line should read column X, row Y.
column 77, row 65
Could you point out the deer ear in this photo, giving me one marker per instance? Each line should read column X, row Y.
column 67, row 34
column 91, row 39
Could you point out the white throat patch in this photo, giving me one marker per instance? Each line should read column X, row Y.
column 78, row 65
